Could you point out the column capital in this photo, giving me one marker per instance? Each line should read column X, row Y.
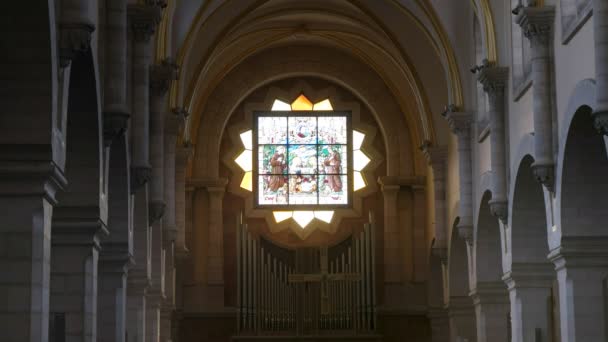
column 216, row 185
column 143, row 19
column 465, row 231
column 528, row 275
column 536, row 23
column 140, row 175
column 75, row 30
column 394, row 183
column 161, row 76
column 114, row 126
column 169, row 234
column 492, row 78
column 580, row 252
column 500, row 208
column 600, row 122
column 436, row 156
column 156, row 210
column 459, row 122
column 494, row 292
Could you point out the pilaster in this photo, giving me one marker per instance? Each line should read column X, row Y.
column 142, row 21
column 437, row 158
column 494, row 79
column 460, row 124
column 600, row 32
column 462, row 319
column 112, row 308
column 182, row 156
column 492, row 311
column 537, row 26
column 581, row 264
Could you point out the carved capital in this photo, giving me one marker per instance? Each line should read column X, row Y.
column 140, row 175
column 537, row 24
column 156, row 210
column 74, row 39
column 161, row 76
column 600, row 122
column 459, row 122
column 466, row 233
column 500, row 209
column 114, row 126
column 435, row 155
column 493, row 79
column 544, row 174
column 143, row 19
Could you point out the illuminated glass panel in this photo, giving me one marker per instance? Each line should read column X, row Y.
column 303, row 218
column 247, row 139
column 301, row 103
column 280, row 105
column 244, row 161
column 324, row 215
column 358, row 181
column 280, row 216
column 298, row 166
column 323, row 105
column 247, row 182
column 360, row 160
column 358, row 138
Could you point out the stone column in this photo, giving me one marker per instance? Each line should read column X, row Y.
column 27, row 197
column 161, row 76
column 491, row 311
column 153, row 303
column 440, row 325
column 139, row 275
column 143, row 19
column 76, row 26
column 581, row 267
column 392, row 265
column 600, row 29
column 215, row 268
column 494, row 80
column 437, row 158
column 530, row 294
column 155, row 292
column 115, row 109
column 537, row 26
column 74, row 271
column 462, row 320
column 460, row 124
column 182, row 155
column 112, row 297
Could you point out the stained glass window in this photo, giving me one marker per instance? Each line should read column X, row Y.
column 315, row 179
column 302, row 157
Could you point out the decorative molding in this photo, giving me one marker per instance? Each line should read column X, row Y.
column 156, row 210
column 161, row 76
column 537, row 24
column 600, row 122
column 493, row 79
column 459, row 122
column 545, row 174
column 114, row 126
column 499, row 208
column 140, row 175
column 143, row 19
column 74, row 39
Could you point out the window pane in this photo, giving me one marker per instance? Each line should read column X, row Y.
column 301, row 103
column 272, row 159
column 332, row 130
column 332, row 189
column 302, row 130
column 272, row 189
column 332, row 159
column 360, row 160
column 303, row 189
column 302, row 159
column 272, row 130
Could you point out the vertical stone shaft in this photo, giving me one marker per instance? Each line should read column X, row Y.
column 215, row 268
column 181, row 159
column 491, row 311
column 462, row 319
column 112, row 300
column 537, row 26
column 437, row 158
column 600, row 29
column 460, row 124
column 142, row 20
column 115, row 81
column 493, row 80
column 390, row 191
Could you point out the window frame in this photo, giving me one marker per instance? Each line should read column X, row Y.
column 349, row 156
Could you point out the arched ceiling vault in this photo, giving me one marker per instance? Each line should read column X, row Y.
column 402, row 40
